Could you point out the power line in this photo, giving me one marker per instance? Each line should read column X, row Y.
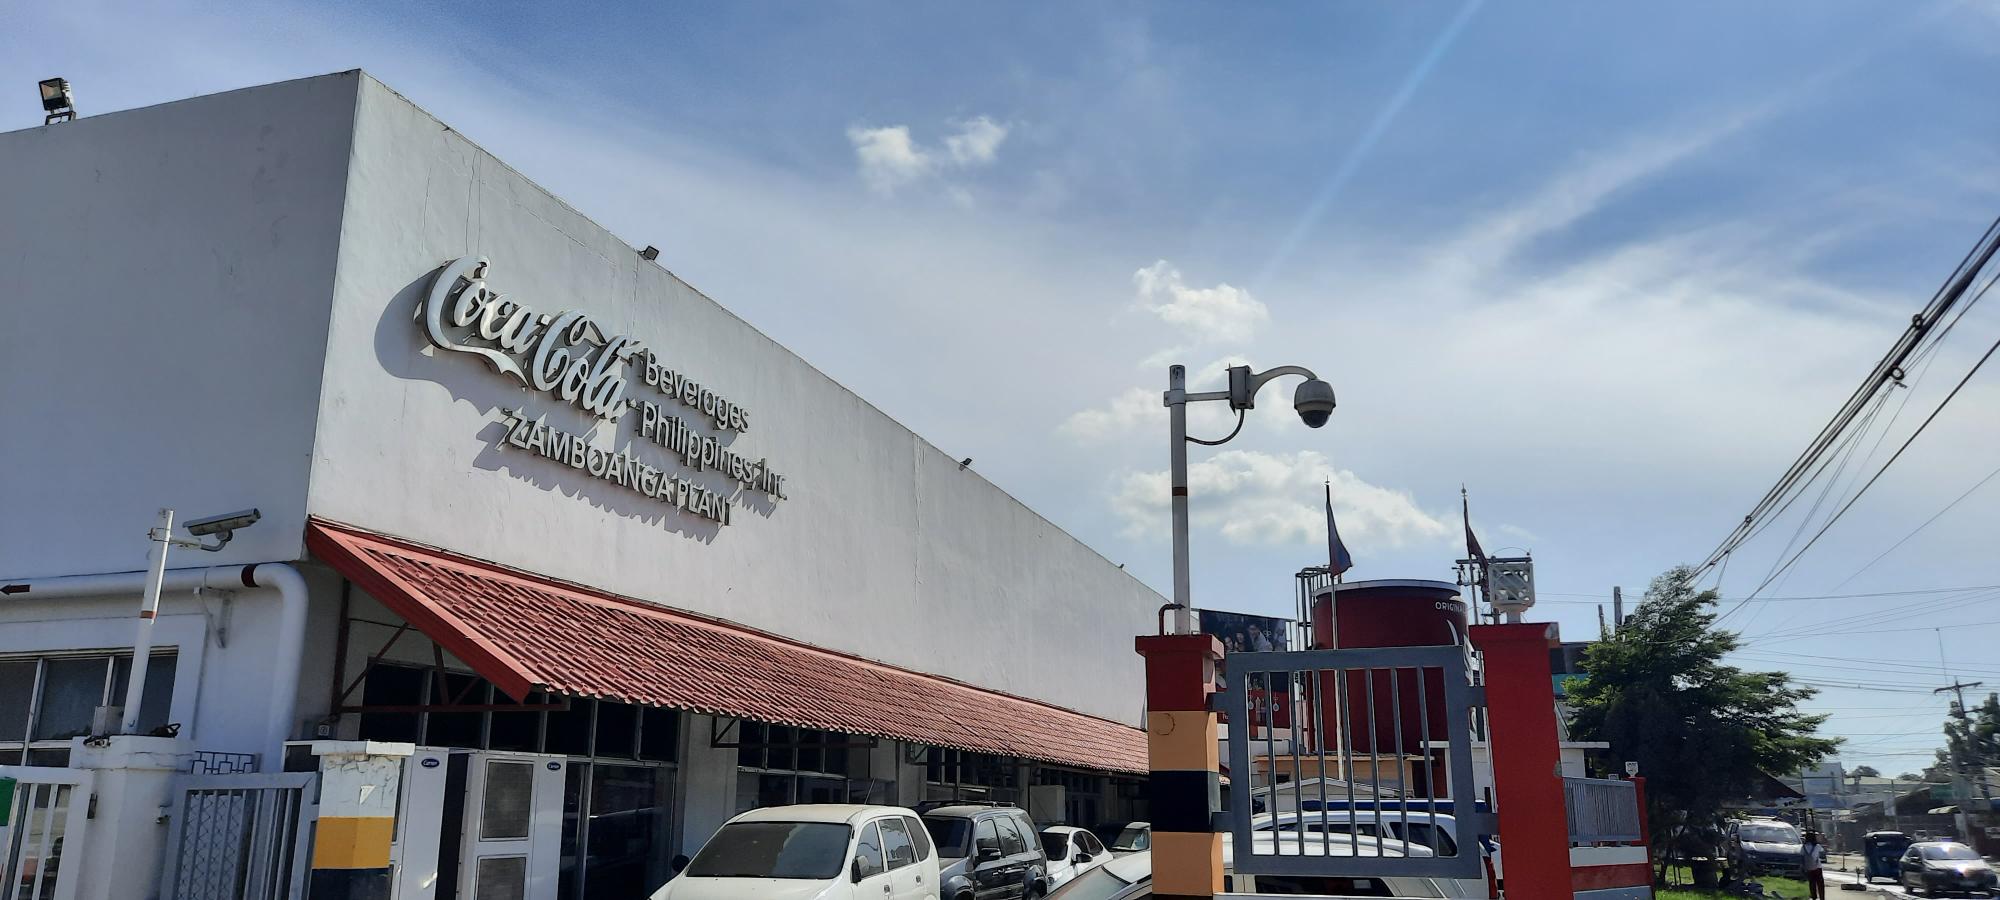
column 1888, row 370
column 1903, row 593
column 1927, row 523
column 1885, row 466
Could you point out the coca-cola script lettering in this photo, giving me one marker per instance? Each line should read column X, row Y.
column 564, row 354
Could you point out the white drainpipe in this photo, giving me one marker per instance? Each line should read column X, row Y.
column 287, row 581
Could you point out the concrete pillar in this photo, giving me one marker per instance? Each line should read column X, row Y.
column 358, row 785
column 1183, row 787
column 1527, row 757
column 132, row 777
column 708, row 782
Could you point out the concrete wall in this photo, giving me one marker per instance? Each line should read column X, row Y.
column 884, row 548
column 226, row 642
column 165, row 282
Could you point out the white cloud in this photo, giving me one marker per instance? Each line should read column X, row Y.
column 1139, row 410
column 1254, row 497
column 890, row 159
column 977, row 142
column 1220, row 314
column 1125, row 413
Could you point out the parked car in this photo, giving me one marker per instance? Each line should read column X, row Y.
column 1414, row 824
column 1768, row 845
column 1071, row 852
column 1130, row 877
column 987, row 851
column 1132, row 838
column 819, row 851
column 1937, row 867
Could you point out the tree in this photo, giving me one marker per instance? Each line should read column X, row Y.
column 1909, row 776
column 1865, row 772
column 1703, row 732
column 1975, row 739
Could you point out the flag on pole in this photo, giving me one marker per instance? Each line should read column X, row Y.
column 1338, row 561
column 1472, row 547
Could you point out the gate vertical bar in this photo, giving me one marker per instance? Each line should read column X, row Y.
column 1184, row 782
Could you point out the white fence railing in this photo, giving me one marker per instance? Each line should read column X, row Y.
column 1601, row 810
column 46, row 824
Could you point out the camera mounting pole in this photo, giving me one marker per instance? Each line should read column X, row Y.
column 161, row 537
column 1314, row 403
column 222, row 528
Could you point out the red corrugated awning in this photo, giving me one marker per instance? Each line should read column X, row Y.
column 526, row 633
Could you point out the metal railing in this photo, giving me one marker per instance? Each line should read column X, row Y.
column 1601, row 810
column 1333, row 769
column 44, row 837
column 238, row 837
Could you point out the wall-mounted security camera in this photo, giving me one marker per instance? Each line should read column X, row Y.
column 222, row 527
column 1314, row 401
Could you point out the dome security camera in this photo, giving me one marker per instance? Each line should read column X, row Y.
column 1314, row 402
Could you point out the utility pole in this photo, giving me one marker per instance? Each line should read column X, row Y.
column 1961, row 789
column 1617, row 608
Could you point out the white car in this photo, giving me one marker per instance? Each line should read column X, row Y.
column 1130, row 877
column 1071, row 852
column 812, row 852
column 1416, row 826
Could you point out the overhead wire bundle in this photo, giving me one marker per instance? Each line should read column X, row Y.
column 1827, row 457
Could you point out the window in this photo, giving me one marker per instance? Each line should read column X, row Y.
column 811, row 850
column 985, row 837
column 600, row 728
column 949, row 834
column 799, row 765
column 896, row 843
column 46, row 700
column 1427, row 835
column 1011, row 841
column 868, row 852
column 1091, row 844
column 921, row 835
column 1055, row 846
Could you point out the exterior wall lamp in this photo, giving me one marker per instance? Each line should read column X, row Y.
column 58, row 105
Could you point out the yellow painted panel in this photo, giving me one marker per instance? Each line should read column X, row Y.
column 1182, row 741
column 353, row 842
column 1187, row 864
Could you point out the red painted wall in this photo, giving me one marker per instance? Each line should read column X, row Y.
column 1401, row 613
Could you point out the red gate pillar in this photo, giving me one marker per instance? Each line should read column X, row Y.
column 1522, row 742
column 1183, row 787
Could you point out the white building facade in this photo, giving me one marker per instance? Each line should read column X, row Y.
column 523, row 494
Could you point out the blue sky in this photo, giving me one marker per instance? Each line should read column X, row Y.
column 1610, row 266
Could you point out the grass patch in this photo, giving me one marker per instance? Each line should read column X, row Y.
column 1775, row 886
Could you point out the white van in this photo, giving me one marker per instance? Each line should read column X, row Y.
column 820, row 851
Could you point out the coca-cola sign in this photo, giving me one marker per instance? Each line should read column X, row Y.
column 564, row 354
column 568, row 357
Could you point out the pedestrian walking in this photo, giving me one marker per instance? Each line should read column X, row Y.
column 1812, row 859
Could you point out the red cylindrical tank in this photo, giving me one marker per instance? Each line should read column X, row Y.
column 1388, row 613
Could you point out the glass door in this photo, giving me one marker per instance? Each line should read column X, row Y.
column 630, row 839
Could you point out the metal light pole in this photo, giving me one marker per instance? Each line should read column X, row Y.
column 1314, row 402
